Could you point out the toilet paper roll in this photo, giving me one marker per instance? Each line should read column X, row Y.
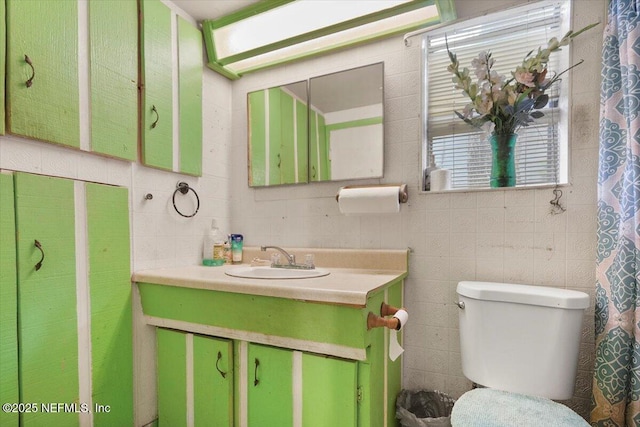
column 395, row 350
column 440, row 180
column 369, row 200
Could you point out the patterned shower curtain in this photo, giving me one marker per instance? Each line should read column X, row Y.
column 616, row 383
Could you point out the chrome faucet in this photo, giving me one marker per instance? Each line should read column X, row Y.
column 291, row 259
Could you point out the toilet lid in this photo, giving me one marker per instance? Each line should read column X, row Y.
column 485, row 407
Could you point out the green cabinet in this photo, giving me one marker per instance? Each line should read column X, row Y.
column 8, row 302
column 195, row 380
column 319, row 159
column 113, row 40
column 3, row 53
column 45, row 68
column 71, row 269
column 316, row 366
column 42, row 70
column 277, row 137
column 329, row 391
column 158, row 105
column 270, row 386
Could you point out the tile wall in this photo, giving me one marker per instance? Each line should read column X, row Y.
column 500, row 235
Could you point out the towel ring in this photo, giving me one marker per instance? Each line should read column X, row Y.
column 184, row 188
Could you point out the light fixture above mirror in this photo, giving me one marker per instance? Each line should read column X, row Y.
column 278, row 31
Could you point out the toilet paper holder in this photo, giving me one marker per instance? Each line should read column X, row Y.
column 403, row 195
column 375, row 321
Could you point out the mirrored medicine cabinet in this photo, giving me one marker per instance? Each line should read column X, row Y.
column 329, row 128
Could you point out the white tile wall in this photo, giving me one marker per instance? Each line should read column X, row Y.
column 500, row 235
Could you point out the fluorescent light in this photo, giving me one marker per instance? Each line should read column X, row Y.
column 291, row 20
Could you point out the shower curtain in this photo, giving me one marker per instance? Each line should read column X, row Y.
column 616, row 382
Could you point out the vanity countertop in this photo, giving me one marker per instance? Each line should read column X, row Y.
column 343, row 285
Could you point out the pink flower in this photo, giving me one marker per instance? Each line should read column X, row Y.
column 524, row 77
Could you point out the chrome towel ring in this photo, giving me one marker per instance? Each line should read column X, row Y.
column 184, row 188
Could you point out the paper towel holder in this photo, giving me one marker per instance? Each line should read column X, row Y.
column 403, row 195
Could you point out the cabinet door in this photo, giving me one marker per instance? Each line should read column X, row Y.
column 172, row 378
column 287, row 139
column 257, row 138
column 113, row 32
column 157, row 103
column 329, row 391
column 190, row 78
column 43, row 97
column 8, row 302
column 110, row 303
column 212, row 382
column 205, row 366
column 47, row 316
column 302, row 141
column 270, row 389
column 3, row 34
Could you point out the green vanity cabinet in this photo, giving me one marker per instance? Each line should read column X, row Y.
column 205, row 365
column 71, row 269
column 270, row 388
column 113, row 40
column 157, row 102
column 277, row 138
column 296, row 362
column 42, row 70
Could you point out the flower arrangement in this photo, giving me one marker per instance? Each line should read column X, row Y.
column 502, row 105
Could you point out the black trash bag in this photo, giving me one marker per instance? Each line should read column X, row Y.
column 424, row 408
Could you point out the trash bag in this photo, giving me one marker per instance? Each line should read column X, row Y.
column 424, row 408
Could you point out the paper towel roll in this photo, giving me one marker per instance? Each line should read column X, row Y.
column 394, row 346
column 440, row 179
column 369, row 200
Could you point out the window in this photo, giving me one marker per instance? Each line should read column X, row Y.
column 541, row 150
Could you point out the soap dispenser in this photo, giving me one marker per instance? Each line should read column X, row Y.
column 213, row 246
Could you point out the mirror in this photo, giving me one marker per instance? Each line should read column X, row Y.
column 346, row 124
column 278, row 144
column 340, row 136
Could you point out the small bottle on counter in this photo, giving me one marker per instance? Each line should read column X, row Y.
column 236, row 248
column 213, row 246
column 227, row 250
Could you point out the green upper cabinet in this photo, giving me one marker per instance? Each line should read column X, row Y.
column 161, row 30
column 157, row 103
column 278, row 135
column 319, row 160
column 3, row 48
column 190, row 78
column 42, row 70
column 113, row 38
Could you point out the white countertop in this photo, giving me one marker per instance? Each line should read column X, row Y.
column 350, row 286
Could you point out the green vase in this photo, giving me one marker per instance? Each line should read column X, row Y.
column 503, row 164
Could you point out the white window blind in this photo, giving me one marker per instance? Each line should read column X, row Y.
column 464, row 150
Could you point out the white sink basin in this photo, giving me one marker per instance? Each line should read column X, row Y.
column 275, row 273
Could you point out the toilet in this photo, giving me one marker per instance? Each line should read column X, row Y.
column 520, row 345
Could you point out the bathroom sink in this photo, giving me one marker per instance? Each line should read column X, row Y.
column 275, row 273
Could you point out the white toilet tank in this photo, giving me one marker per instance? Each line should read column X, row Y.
column 521, row 338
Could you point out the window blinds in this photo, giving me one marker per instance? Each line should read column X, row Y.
column 465, row 150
